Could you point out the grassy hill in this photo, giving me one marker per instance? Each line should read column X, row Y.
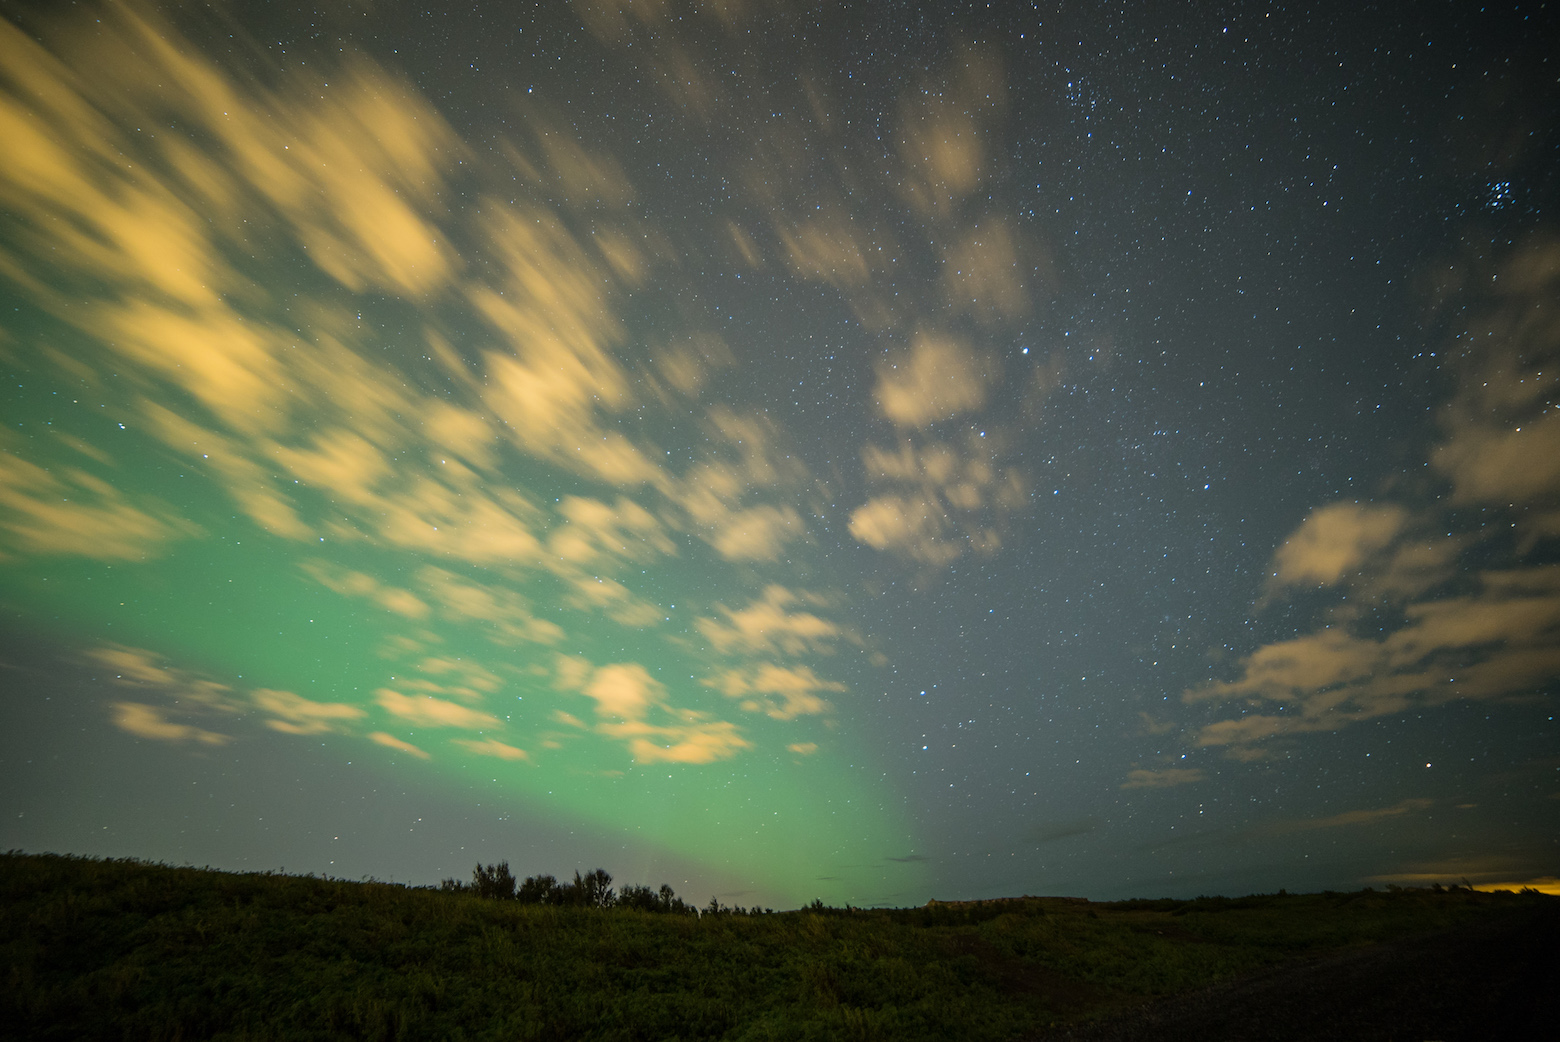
column 128, row 950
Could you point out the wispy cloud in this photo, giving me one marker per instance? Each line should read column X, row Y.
column 390, row 741
column 783, row 693
column 146, row 721
column 491, row 747
column 1454, row 633
column 425, row 711
column 1165, row 778
column 770, row 625
column 295, row 714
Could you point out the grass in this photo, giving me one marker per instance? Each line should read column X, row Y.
column 129, row 950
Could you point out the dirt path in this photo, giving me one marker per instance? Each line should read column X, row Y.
column 1494, row 981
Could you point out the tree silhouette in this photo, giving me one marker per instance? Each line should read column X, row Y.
column 539, row 890
column 592, row 890
column 494, row 881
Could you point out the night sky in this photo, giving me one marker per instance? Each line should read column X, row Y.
column 871, row 452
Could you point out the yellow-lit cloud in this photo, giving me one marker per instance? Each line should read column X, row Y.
column 146, row 721
column 360, row 584
column 69, row 511
column 779, row 692
column 1336, row 540
column 698, row 741
column 295, row 714
column 505, row 612
column 981, row 273
column 936, row 379
column 390, row 741
column 634, row 707
column 937, row 499
column 425, row 711
column 491, row 747
column 768, row 625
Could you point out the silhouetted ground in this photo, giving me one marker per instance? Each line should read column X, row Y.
column 1494, row 981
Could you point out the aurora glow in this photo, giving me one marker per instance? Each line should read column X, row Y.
column 760, row 450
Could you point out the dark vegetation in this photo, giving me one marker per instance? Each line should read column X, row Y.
column 127, row 950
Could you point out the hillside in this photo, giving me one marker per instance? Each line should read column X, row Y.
column 123, row 949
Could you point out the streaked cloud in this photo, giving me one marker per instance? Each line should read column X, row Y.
column 937, row 499
column 981, row 274
column 295, row 714
column 146, row 721
column 769, row 625
column 491, row 747
column 1166, row 778
column 1361, row 817
column 1335, row 540
column 1454, row 633
column 778, row 692
column 426, row 711
column 507, row 614
column 66, row 510
column 633, row 707
column 360, row 584
column 140, row 668
column 390, row 741
column 937, row 378
column 697, row 740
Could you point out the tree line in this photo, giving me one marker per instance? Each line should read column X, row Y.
column 592, row 890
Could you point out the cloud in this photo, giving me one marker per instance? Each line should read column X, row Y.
column 433, row 712
column 769, row 626
column 1360, row 817
column 1336, row 540
column 491, row 747
column 295, row 714
column 139, row 668
column 1502, row 444
column 943, row 499
column 803, row 748
column 1162, row 779
column 936, row 379
column 1482, row 870
column 696, row 742
column 1415, row 626
column 778, row 692
column 146, row 721
column 593, row 531
column 627, row 697
column 981, row 274
column 389, row 741
column 506, row 612
column 827, row 248
column 746, row 459
column 901, row 522
column 1501, row 641
column 688, row 364
column 942, row 151
column 471, row 680
column 351, row 583
column 65, row 510
column 625, row 691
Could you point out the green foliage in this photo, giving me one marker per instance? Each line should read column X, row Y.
column 121, row 949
